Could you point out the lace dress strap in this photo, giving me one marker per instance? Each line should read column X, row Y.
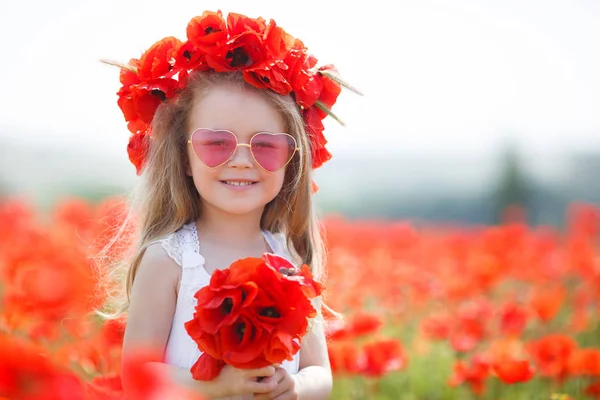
column 183, row 247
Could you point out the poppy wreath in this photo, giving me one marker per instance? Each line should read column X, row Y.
column 267, row 56
column 252, row 315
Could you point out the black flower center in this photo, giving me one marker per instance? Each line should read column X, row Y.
column 240, row 329
column 226, row 306
column 238, row 57
column 209, row 30
column 270, row 312
column 187, row 54
column 159, row 93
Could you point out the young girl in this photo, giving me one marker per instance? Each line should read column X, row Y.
column 225, row 142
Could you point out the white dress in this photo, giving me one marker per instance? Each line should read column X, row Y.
column 183, row 247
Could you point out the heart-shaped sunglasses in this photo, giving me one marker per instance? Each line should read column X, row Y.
column 215, row 147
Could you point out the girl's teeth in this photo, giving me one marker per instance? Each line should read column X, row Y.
column 238, row 183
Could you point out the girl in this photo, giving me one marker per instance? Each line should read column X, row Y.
column 226, row 154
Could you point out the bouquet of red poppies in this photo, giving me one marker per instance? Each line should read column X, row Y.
column 252, row 315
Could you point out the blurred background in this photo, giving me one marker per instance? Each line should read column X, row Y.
column 469, row 105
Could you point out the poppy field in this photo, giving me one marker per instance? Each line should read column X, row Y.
column 431, row 312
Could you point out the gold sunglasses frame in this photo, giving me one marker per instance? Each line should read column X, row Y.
column 249, row 145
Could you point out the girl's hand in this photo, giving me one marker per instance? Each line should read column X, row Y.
column 237, row 382
column 285, row 389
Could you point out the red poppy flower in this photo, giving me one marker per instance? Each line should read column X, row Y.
column 128, row 77
column 137, row 149
column 251, row 315
column 51, row 283
column 277, row 41
column 364, row 324
column 593, row 390
column 330, row 90
column 346, row 358
column 272, row 77
column 105, row 388
column 158, row 60
column 513, row 319
column 307, row 88
column 514, row 371
column 189, row 57
column 27, row 373
column 474, row 372
column 315, row 128
column 239, row 23
column 207, row 32
column 383, row 356
column 147, row 383
column 437, row 327
column 140, row 101
column 242, row 51
column 551, row 353
column 584, row 362
column 547, row 301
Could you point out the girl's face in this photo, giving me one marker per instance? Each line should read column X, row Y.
column 225, row 188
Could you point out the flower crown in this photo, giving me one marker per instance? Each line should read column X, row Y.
column 267, row 56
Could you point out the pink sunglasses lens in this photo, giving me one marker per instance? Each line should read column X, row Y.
column 213, row 148
column 273, row 151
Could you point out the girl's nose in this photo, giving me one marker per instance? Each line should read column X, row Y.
column 242, row 158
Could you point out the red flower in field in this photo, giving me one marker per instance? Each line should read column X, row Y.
column 437, row 327
column 584, row 219
column 383, row 356
column 546, row 301
column 112, row 332
column 469, row 325
column 473, row 373
column 467, row 334
column 551, row 354
column 77, row 217
column 361, row 323
column 144, row 382
column 53, row 282
column 27, row 373
column 105, row 388
column 251, row 315
column 584, row 362
column 514, row 371
column 346, row 358
column 337, row 330
column 111, row 213
column 513, row 319
column 593, row 390
column 364, row 324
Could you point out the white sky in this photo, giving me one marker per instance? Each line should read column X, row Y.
column 439, row 76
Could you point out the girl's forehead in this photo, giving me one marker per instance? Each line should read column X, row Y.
column 242, row 112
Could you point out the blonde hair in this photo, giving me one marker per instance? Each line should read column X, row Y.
column 166, row 198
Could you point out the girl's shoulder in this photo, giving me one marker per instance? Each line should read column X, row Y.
column 176, row 243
